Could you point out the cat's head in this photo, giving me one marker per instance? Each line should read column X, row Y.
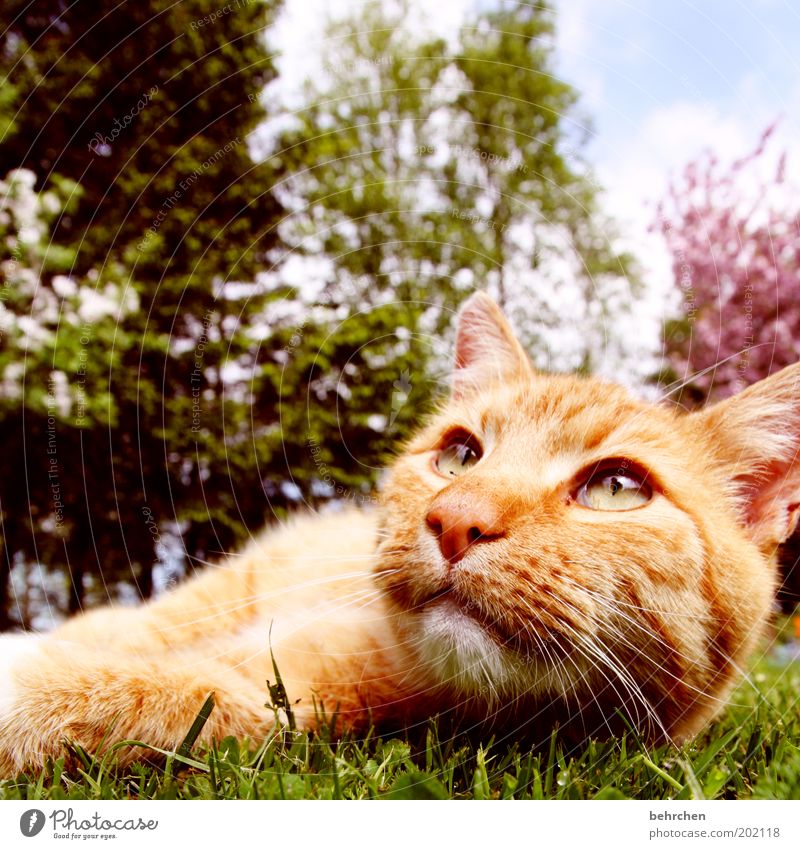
column 552, row 537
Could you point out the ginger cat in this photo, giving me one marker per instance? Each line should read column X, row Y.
column 545, row 542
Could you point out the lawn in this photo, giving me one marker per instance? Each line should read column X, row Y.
column 752, row 752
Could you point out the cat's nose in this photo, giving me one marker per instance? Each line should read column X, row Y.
column 461, row 521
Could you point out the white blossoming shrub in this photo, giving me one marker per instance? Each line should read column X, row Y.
column 48, row 318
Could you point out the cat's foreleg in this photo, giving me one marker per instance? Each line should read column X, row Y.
column 53, row 691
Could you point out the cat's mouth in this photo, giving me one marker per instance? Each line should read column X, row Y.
column 449, row 602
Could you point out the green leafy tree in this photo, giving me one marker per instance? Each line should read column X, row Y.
column 145, row 296
column 418, row 172
column 527, row 203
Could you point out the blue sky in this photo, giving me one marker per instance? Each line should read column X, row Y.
column 662, row 81
column 648, row 53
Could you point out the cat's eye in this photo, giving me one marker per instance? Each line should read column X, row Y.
column 459, row 453
column 615, row 489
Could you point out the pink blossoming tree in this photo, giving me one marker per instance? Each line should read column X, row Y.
column 734, row 237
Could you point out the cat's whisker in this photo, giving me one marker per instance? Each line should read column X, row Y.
column 583, row 677
column 584, row 589
column 543, row 643
column 612, row 605
column 626, row 679
column 276, row 561
column 489, row 682
column 590, row 655
column 582, row 674
column 658, row 666
column 683, row 382
column 554, row 663
column 631, row 685
column 287, row 561
column 583, row 682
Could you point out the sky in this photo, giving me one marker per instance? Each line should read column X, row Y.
column 662, row 81
column 659, row 82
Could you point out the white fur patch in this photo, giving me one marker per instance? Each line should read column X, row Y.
column 16, row 651
column 461, row 654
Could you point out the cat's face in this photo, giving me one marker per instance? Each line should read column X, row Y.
column 553, row 537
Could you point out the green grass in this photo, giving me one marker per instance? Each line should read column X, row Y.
column 753, row 751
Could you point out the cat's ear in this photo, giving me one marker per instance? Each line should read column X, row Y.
column 486, row 349
column 757, row 435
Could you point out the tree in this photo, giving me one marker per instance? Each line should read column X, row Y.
column 29, row 318
column 419, row 171
column 732, row 235
column 540, row 240
column 142, row 111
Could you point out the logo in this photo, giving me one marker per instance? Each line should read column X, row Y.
column 31, row 822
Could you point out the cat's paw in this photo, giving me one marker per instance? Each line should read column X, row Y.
column 16, row 652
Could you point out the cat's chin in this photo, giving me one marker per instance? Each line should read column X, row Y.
column 464, row 656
